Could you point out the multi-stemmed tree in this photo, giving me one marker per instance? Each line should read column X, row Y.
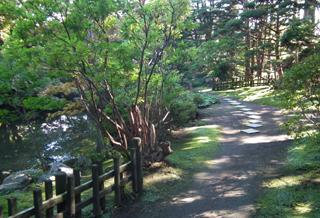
column 117, row 52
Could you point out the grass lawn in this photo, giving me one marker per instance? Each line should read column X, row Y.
column 259, row 94
column 296, row 193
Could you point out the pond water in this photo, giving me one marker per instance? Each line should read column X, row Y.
column 59, row 139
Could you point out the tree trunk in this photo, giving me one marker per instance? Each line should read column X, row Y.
column 277, row 47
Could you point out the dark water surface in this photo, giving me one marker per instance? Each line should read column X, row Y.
column 59, row 139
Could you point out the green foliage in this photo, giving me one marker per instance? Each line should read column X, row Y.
column 267, row 45
column 299, row 32
column 250, row 52
column 301, row 94
column 203, row 100
column 197, row 82
column 255, row 67
column 117, row 54
column 250, row 5
column 44, row 103
column 183, row 110
column 235, row 24
column 253, row 13
column 89, row 150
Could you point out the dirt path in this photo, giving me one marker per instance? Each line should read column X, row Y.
column 233, row 184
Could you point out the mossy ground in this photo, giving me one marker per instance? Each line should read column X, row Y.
column 296, row 193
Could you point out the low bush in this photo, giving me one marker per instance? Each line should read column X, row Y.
column 197, row 82
column 185, row 108
column 203, row 100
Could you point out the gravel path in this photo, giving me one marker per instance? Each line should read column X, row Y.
column 233, row 184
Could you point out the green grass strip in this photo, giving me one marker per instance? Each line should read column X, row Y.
column 260, row 95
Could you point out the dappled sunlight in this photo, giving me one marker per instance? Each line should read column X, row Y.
column 203, row 139
column 263, row 138
column 285, row 181
column 303, row 208
column 188, row 200
column 205, row 90
column 199, row 127
column 222, row 160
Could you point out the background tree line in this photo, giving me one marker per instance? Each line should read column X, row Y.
column 249, row 38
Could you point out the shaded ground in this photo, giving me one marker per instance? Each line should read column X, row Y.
column 234, row 182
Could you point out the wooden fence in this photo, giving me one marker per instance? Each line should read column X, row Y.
column 238, row 83
column 68, row 189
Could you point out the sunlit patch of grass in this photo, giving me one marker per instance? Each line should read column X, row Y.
column 260, row 94
column 191, row 154
column 297, row 192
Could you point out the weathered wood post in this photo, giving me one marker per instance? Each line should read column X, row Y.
column 49, row 194
column 1, row 211
column 101, row 184
column 137, row 144
column 95, row 190
column 12, row 206
column 213, row 84
column 76, row 173
column 61, row 187
column 71, row 203
column 117, row 191
column 134, row 168
column 37, row 202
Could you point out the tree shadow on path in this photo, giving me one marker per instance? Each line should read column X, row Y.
column 234, row 181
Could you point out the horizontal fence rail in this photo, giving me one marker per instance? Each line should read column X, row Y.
column 68, row 200
column 234, row 83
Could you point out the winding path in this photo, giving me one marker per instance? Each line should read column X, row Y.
column 234, row 182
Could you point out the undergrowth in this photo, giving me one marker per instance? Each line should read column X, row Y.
column 296, row 193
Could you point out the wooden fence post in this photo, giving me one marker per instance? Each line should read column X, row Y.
column 117, row 191
column 71, row 204
column 49, row 194
column 1, row 211
column 101, row 184
column 61, row 187
column 134, row 168
column 137, row 144
column 95, row 190
column 12, row 206
column 213, row 84
column 76, row 173
column 37, row 202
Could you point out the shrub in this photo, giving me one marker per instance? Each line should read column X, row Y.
column 203, row 100
column 183, row 110
column 197, row 82
column 301, row 97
